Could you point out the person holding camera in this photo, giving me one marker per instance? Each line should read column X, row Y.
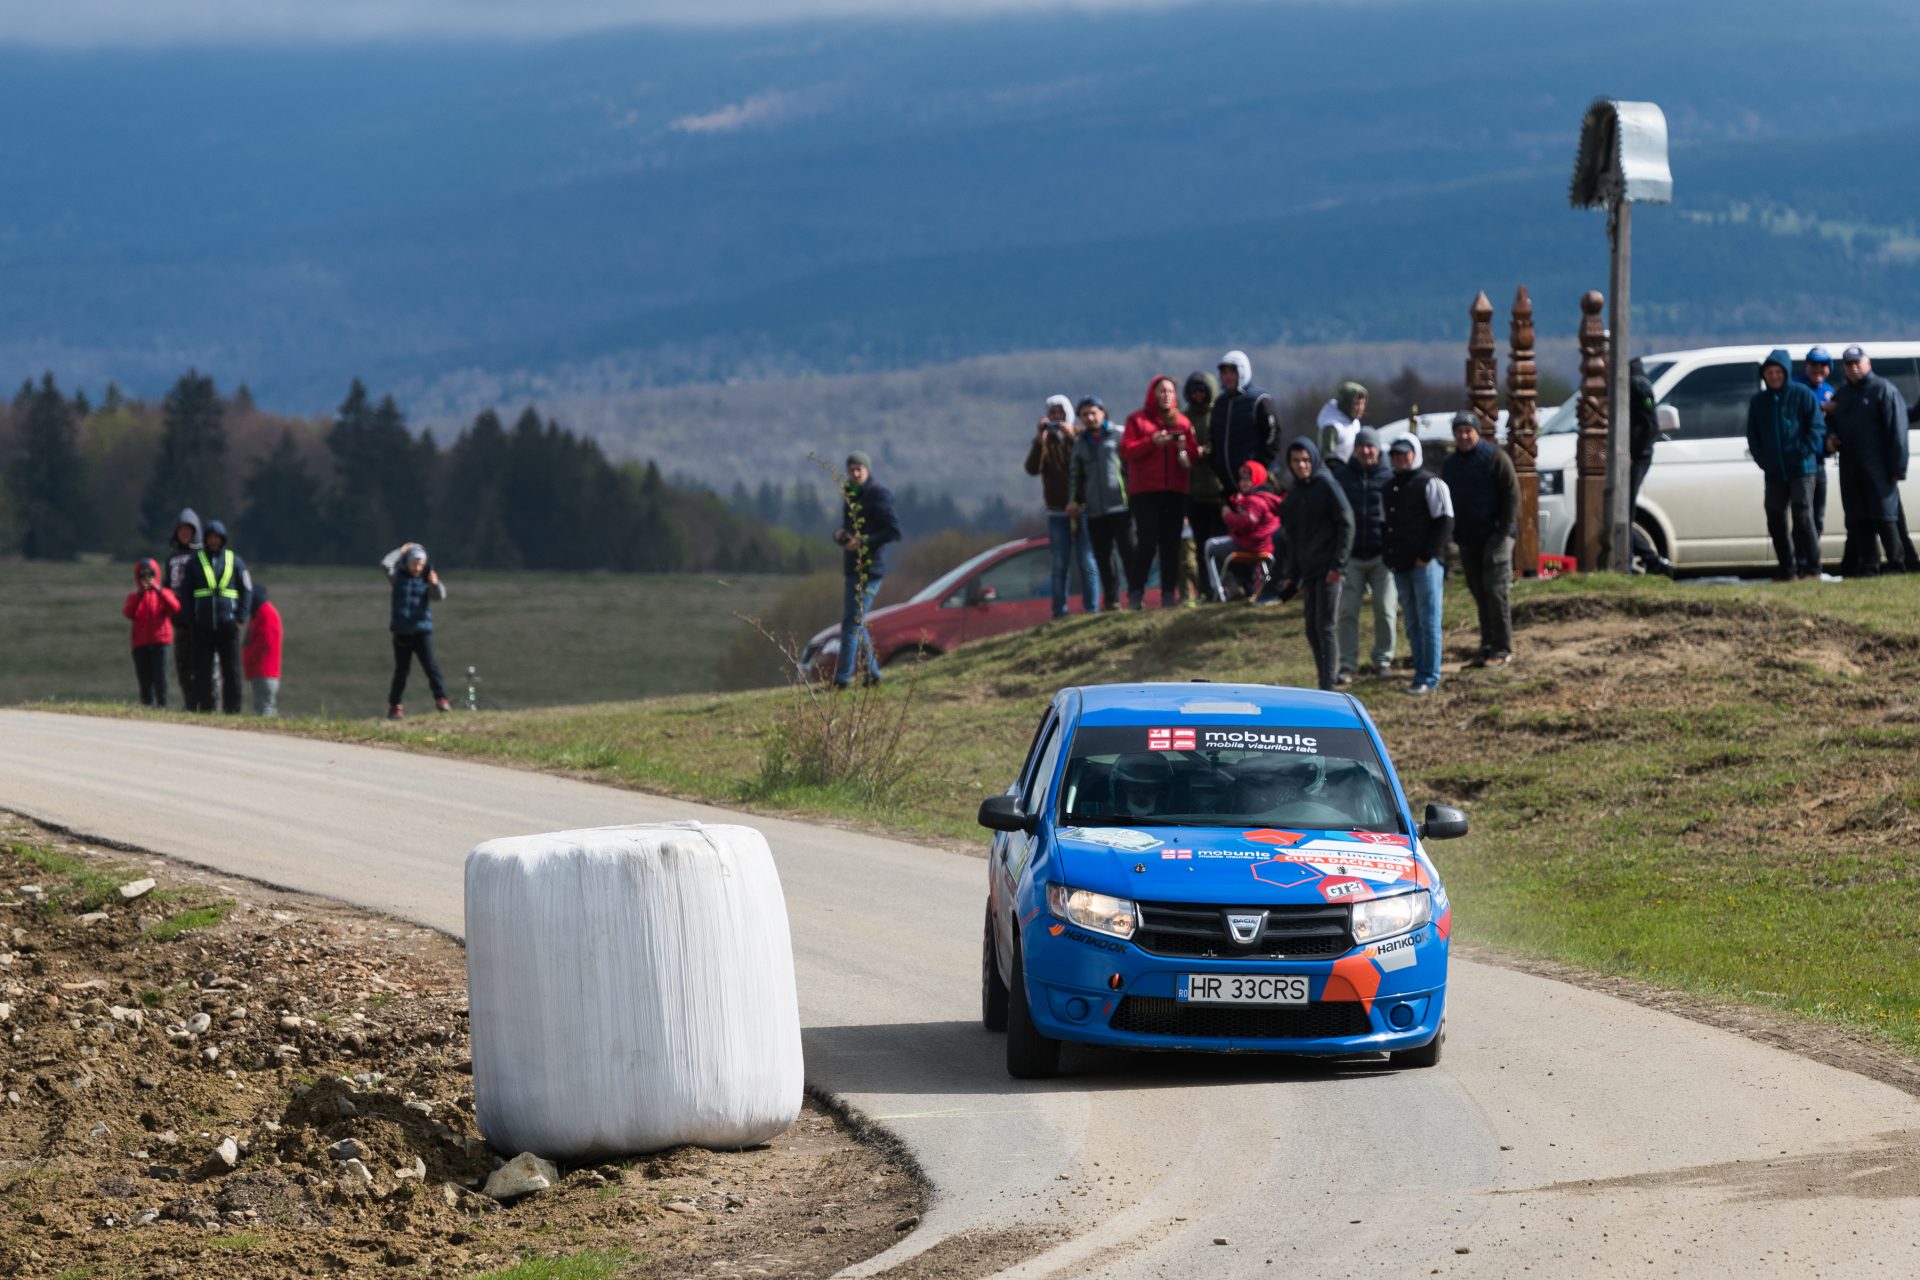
column 1050, row 457
column 415, row 587
column 150, row 608
column 868, row 526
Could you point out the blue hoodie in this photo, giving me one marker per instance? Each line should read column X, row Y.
column 1784, row 427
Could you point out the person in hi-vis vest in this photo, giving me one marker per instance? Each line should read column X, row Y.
column 219, row 593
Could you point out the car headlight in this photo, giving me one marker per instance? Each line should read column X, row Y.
column 1385, row 917
column 1553, row 483
column 1115, row 917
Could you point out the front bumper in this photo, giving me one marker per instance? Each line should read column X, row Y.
column 1358, row 1002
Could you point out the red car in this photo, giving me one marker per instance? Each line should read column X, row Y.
column 1007, row 588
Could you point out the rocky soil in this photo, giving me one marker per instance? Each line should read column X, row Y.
column 202, row 1076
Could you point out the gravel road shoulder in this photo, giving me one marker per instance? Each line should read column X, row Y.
column 205, row 1076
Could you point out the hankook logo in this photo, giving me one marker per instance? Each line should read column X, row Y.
column 1245, row 926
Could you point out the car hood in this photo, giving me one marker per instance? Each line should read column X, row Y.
column 1255, row 866
column 881, row 614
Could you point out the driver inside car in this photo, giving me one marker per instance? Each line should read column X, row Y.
column 1141, row 782
column 1265, row 786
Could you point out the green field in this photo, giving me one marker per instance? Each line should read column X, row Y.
column 537, row 639
column 1706, row 787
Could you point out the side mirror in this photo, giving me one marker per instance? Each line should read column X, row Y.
column 1444, row 822
column 981, row 593
column 1668, row 419
column 1003, row 813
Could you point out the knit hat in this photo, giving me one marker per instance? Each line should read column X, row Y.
column 859, row 459
column 1366, row 435
column 1255, row 472
column 1094, row 401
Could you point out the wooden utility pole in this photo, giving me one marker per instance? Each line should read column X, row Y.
column 1522, row 424
column 1590, row 455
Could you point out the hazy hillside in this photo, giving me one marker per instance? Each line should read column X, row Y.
column 655, row 206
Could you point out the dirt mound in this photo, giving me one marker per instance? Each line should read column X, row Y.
column 203, row 1078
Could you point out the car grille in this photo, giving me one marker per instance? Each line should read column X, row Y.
column 1161, row 1016
column 1189, row 930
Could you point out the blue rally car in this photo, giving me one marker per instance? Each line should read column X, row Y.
column 1213, row 867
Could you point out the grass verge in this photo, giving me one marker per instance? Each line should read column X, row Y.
column 591, row 1265
column 1707, row 787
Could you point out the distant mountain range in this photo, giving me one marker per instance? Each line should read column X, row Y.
column 597, row 220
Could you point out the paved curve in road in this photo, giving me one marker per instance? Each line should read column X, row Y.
column 1566, row 1133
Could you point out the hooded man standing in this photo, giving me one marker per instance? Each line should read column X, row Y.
column 1243, row 426
column 868, row 527
column 1419, row 521
column 1783, row 435
column 1643, row 432
column 181, row 550
column 1205, row 496
column 1816, row 374
column 1486, row 502
column 1869, row 419
column 1050, row 457
column 1319, row 528
column 219, row 601
column 1097, row 482
column 1339, row 421
column 1363, row 478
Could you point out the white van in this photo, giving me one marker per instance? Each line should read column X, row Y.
column 1701, row 503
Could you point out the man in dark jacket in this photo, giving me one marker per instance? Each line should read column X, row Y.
column 1363, row 478
column 1486, row 502
column 1783, row 435
column 1243, row 426
column 1419, row 522
column 1816, row 374
column 1868, row 417
column 868, row 528
column 1643, row 433
column 181, row 550
column 1319, row 529
column 1206, row 498
column 218, row 599
column 1050, row 457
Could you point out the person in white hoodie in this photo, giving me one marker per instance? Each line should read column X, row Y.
column 1339, row 421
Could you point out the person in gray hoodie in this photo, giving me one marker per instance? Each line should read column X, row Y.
column 1097, row 489
column 1363, row 476
column 182, row 549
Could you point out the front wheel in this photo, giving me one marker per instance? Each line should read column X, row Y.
column 1030, row 1055
column 1427, row 1055
column 993, row 992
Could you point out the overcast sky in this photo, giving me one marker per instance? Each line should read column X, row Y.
column 159, row 22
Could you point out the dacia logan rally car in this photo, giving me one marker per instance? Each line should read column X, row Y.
column 1213, row 867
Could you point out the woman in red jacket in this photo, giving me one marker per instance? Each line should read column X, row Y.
column 150, row 607
column 1159, row 448
column 260, row 659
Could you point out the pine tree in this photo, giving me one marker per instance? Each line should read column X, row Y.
column 112, row 401
column 242, row 401
column 473, row 526
column 82, row 407
column 49, row 489
column 284, row 519
column 191, row 470
column 364, row 526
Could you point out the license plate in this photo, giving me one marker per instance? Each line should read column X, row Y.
column 1231, row 988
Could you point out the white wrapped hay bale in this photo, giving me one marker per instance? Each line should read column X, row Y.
column 631, row 988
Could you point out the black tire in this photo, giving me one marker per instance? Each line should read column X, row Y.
column 993, row 992
column 1427, row 1055
column 1030, row 1055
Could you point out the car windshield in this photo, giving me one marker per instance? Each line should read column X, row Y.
column 941, row 587
column 1566, row 418
column 1226, row 775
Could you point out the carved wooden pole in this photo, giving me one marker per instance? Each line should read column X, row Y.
column 1483, row 378
column 1522, row 422
column 1590, row 456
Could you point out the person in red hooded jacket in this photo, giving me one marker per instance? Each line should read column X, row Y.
column 150, row 607
column 1252, row 517
column 260, row 657
column 1159, row 449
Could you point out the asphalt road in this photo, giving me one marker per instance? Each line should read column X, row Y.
column 1566, row 1133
